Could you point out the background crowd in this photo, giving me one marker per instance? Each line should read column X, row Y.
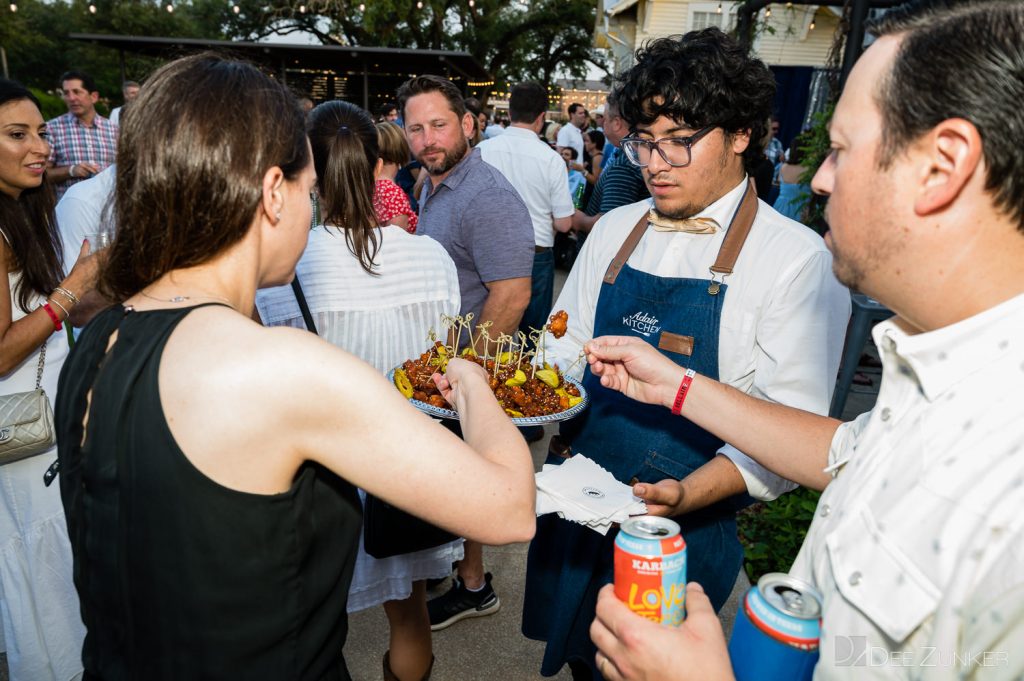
column 245, row 284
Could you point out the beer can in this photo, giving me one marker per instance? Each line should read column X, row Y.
column 650, row 569
column 775, row 637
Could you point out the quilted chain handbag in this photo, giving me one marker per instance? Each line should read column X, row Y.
column 26, row 421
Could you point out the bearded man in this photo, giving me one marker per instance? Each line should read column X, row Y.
column 470, row 208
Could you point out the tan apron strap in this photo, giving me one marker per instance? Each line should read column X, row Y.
column 626, row 250
column 739, row 228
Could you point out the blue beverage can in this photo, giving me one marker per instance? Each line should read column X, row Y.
column 650, row 569
column 775, row 637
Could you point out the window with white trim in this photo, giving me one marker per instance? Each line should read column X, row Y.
column 704, row 14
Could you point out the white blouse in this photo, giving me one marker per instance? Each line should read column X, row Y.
column 383, row 319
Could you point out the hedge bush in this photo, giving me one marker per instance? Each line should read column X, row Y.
column 772, row 532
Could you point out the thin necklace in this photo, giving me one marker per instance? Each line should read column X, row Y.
column 182, row 299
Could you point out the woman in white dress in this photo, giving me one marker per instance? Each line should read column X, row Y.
column 375, row 291
column 42, row 628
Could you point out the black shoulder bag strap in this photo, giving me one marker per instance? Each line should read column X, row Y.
column 300, row 297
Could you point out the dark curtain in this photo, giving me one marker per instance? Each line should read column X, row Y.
column 791, row 95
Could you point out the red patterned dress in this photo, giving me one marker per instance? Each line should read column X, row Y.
column 389, row 200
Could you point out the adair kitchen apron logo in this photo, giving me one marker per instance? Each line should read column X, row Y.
column 643, row 323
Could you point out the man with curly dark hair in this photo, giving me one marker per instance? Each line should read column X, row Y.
column 718, row 282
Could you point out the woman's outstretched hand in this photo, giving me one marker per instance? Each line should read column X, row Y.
column 634, row 368
column 458, row 373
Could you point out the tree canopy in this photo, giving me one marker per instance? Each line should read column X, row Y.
column 514, row 40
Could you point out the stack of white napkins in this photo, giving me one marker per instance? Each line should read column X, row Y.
column 581, row 491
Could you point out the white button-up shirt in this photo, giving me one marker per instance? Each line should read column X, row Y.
column 383, row 318
column 538, row 174
column 918, row 543
column 571, row 136
column 783, row 320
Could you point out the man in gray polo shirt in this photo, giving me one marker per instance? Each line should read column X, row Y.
column 472, row 210
column 468, row 206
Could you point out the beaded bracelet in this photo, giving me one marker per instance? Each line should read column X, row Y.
column 57, row 326
column 684, row 388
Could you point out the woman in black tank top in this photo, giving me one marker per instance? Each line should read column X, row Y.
column 207, row 463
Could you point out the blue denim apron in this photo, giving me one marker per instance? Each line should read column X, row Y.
column 568, row 563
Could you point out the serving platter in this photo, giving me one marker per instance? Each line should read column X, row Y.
column 451, row 414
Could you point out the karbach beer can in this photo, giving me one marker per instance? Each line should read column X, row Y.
column 650, row 569
column 775, row 637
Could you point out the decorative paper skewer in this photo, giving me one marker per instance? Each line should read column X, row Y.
column 502, row 339
column 482, row 333
column 504, row 343
column 464, row 323
column 522, row 346
column 572, row 366
column 431, row 339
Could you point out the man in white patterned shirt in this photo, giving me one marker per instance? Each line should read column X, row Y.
column 917, row 546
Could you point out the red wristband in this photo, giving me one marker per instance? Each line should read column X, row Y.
column 684, row 388
column 57, row 326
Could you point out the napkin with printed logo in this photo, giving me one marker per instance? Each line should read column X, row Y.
column 581, row 491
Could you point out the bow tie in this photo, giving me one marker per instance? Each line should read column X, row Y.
column 688, row 225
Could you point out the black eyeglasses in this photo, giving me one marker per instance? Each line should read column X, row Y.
column 675, row 151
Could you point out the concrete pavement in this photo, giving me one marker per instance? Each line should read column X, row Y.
column 485, row 648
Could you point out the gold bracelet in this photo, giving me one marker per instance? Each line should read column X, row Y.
column 72, row 298
column 57, row 303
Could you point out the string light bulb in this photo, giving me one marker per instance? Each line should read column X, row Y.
column 419, row 4
column 302, row 9
column 768, row 12
column 719, row 10
column 236, row 9
column 14, row 7
column 362, row 7
column 471, row 3
column 811, row 27
column 92, row 9
column 170, row 8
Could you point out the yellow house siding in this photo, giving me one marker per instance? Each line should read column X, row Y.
column 660, row 18
column 794, row 43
